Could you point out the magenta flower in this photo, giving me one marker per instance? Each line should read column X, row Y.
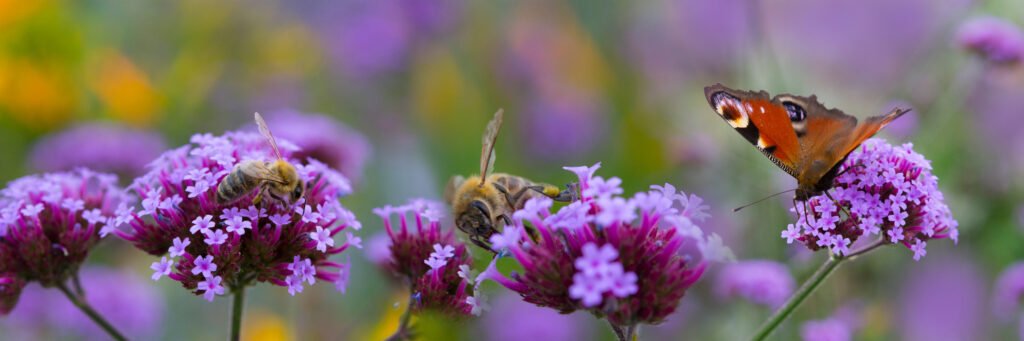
column 889, row 193
column 759, row 281
column 44, row 233
column 997, row 40
column 428, row 259
column 100, row 146
column 228, row 247
column 630, row 268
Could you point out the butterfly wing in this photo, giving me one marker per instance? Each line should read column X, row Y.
column 826, row 136
column 765, row 125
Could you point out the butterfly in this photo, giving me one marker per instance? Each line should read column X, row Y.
column 797, row 133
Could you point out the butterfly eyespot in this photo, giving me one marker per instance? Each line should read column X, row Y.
column 795, row 111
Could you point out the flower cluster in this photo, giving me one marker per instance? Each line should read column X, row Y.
column 211, row 247
column 997, row 40
column 435, row 264
column 883, row 190
column 760, row 281
column 624, row 259
column 106, row 147
column 48, row 224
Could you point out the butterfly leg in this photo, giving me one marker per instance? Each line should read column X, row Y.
column 838, row 204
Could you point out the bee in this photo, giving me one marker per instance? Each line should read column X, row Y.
column 481, row 202
column 277, row 179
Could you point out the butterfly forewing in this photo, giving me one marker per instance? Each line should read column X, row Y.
column 763, row 124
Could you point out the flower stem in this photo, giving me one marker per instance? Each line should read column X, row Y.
column 403, row 323
column 236, row 313
column 89, row 311
column 805, row 290
column 629, row 333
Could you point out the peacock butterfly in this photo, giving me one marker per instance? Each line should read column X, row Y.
column 797, row 133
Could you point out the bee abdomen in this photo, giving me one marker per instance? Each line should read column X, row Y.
column 234, row 186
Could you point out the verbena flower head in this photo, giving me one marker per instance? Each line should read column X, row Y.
column 105, row 147
column 760, row 281
column 830, row 329
column 890, row 193
column 620, row 258
column 212, row 248
column 995, row 39
column 323, row 138
column 48, row 224
column 122, row 297
column 432, row 261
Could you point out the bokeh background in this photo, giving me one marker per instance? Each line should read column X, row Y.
column 395, row 93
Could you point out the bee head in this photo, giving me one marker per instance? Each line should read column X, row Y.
column 476, row 220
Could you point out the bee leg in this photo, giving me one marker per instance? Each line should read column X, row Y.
column 503, row 190
column 481, row 244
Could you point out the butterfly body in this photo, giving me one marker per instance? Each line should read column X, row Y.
column 799, row 134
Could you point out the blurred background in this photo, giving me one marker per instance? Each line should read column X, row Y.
column 395, row 94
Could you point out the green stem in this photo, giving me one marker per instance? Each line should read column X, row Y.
column 236, row 313
column 93, row 314
column 627, row 333
column 805, row 290
column 403, row 323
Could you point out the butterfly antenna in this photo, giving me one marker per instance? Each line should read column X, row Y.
column 762, row 199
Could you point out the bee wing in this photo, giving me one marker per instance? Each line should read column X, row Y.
column 265, row 131
column 487, row 155
column 259, row 170
column 453, row 185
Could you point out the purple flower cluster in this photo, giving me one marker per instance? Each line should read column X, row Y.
column 214, row 248
column 48, row 224
column 105, row 147
column 323, row 138
column 888, row 192
column 997, row 40
column 760, row 281
column 618, row 258
column 434, row 263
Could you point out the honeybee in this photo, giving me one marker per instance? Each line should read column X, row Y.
column 277, row 179
column 481, row 202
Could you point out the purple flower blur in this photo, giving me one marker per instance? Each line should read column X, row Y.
column 366, row 39
column 890, row 193
column 48, row 224
column 323, row 138
column 614, row 257
column 230, row 246
column 100, row 146
column 429, row 260
column 559, row 126
column 997, row 40
column 1008, row 290
column 927, row 310
column 831, row 329
column 760, row 281
column 511, row 319
column 123, row 297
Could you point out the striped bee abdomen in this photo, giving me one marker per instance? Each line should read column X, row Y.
column 235, row 185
